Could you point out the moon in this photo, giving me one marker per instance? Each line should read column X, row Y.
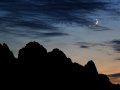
column 96, row 22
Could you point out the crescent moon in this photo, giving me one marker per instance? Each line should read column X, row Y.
column 96, row 22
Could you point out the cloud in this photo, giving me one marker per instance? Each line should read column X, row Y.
column 114, row 75
column 115, row 44
column 74, row 11
column 84, row 46
column 44, row 14
column 99, row 28
column 117, row 58
column 57, row 10
column 55, row 34
column 115, row 78
column 88, row 44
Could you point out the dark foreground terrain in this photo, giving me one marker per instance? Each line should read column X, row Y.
column 35, row 68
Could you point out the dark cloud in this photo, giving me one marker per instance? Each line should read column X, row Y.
column 83, row 46
column 50, row 34
column 76, row 12
column 88, row 45
column 55, row 34
column 114, row 75
column 116, row 45
column 117, row 59
column 117, row 42
column 115, row 78
column 99, row 28
column 43, row 14
column 55, row 11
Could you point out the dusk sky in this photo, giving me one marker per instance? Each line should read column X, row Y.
column 84, row 29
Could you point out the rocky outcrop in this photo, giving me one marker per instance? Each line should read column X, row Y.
column 6, row 56
column 52, row 69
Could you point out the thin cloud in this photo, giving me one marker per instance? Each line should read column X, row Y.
column 115, row 44
column 117, row 59
column 88, row 44
column 114, row 75
column 115, row 78
column 59, row 11
column 84, row 46
column 54, row 34
column 44, row 14
column 99, row 28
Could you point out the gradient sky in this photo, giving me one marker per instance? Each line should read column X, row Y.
column 69, row 25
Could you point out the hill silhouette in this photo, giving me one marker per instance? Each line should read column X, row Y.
column 37, row 68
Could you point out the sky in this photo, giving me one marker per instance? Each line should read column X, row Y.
column 84, row 29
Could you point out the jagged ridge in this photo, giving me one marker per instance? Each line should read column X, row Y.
column 54, row 68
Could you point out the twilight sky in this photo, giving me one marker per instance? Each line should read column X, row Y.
column 83, row 29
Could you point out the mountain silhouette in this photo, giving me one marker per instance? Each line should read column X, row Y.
column 32, row 53
column 35, row 67
column 90, row 69
column 6, row 56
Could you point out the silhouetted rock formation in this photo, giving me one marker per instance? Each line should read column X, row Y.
column 37, row 67
column 90, row 69
column 6, row 56
column 32, row 53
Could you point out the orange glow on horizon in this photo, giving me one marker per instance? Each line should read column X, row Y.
column 115, row 80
